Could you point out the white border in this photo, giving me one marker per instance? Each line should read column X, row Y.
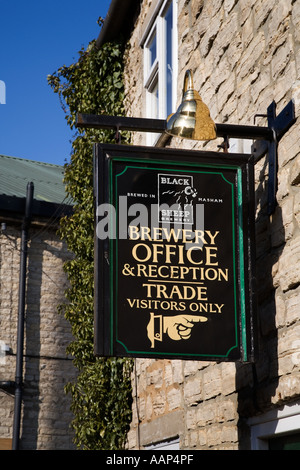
column 274, row 423
column 155, row 24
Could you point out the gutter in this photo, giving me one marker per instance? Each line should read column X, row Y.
column 119, row 20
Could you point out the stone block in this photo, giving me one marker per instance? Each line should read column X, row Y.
column 162, row 428
column 261, row 11
column 192, row 390
column 297, row 207
column 212, row 382
column 282, row 228
column 210, row 34
column 174, row 398
column 289, row 266
column 295, row 173
column 251, row 55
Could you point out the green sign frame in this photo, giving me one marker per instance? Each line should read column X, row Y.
column 174, row 254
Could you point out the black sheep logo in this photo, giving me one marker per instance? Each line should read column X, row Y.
column 183, row 198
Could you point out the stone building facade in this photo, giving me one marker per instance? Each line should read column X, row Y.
column 244, row 54
column 45, row 412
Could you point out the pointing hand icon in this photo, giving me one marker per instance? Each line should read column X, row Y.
column 180, row 326
column 176, row 327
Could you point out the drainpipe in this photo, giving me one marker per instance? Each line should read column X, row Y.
column 21, row 318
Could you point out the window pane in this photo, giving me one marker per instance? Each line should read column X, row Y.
column 169, row 64
column 154, row 111
column 152, row 50
column 288, row 442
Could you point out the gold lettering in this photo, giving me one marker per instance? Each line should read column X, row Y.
column 157, row 233
column 136, row 247
column 161, row 269
column 206, row 307
column 182, row 292
column 181, row 272
column 189, row 256
column 212, row 237
column 223, row 274
column 141, row 269
column 133, row 232
column 157, row 252
column 199, row 237
column 211, row 252
column 145, row 233
column 169, row 252
column 160, row 234
column 172, row 234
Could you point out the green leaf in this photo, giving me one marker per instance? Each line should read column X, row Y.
column 101, row 394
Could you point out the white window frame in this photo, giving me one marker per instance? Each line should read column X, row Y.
column 240, row 145
column 274, row 424
column 172, row 444
column 155, row 75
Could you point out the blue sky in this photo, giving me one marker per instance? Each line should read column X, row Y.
column 36, row 38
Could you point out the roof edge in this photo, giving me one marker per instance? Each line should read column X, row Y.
column 119, row 20
column 16, row 205
column 37, row 162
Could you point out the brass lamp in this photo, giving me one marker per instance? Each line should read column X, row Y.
column 192, row 119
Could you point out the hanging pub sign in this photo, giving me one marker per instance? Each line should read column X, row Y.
column 174, row 275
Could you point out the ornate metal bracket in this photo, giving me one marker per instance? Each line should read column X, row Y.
column 279, row 125
column 266, row 137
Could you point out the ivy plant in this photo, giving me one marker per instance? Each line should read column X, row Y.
column 101, row 393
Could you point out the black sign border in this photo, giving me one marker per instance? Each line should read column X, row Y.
column 104, row 156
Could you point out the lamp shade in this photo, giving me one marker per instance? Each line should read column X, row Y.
column 192, row 119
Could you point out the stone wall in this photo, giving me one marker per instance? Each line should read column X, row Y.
column 46, row 415
column 244, row 54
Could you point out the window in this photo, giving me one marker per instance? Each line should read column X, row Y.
column 277, row 430
column 285, row 442
column 160, row 61
column 240, row 145
column 164, row 445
